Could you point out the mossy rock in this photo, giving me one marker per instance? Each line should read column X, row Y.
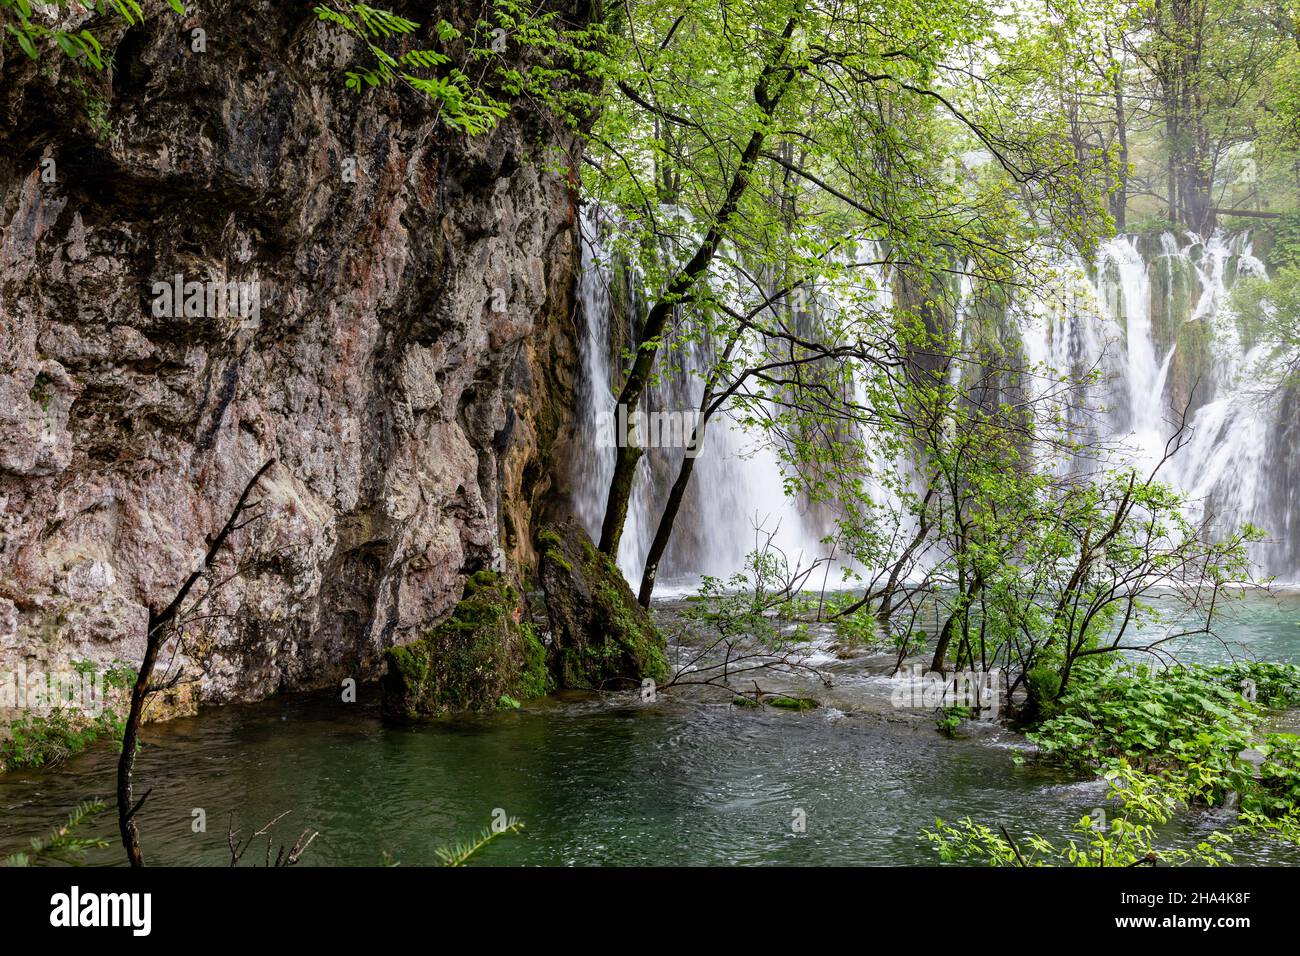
column 600, row 636
column 792, row 703
column 1191, row 366
column 482, row 654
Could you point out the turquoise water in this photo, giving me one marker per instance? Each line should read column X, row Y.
column 1259, row 626
column 596, row 781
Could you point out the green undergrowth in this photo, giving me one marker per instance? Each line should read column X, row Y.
column 1166, row 740
column 49, row 737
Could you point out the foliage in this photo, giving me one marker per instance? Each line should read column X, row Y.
column 1186, row 723
column 42, row 740
column 26, row 29
column 63, row 845
column 853, row 623
column 1276, row 793
column 1127, row 837
column 759, row 602
column 1166, row 741
column 1268, row 683
column 1284, row 827
column 754, row 623
column 1032, row 551
column 950, row 719
column 437, row 73
column 1269, row 311
column 463, row 851
column 459, row 104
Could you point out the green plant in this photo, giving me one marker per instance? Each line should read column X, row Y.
column 96, row 107
column 79, row 45
column 462, row 103
column 41, row 393
column 1127, row 837
column 763, row 602
column 63, row 845
column 462, row 852
column 1276, row 790
column 950, row 719
column 1285, row 248
column 1044, row 686
column 1271, row 684
column 1181, row 721
column 853, row 626
column 41, row 740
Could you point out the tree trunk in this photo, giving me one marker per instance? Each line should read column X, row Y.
column 1119, row 200
column 160, row 625
column 665, row 530
column 772, row 83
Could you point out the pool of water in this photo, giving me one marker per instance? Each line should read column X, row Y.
column 595, row 780
column 1259, row 626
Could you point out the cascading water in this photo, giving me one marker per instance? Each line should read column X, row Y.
column 737, row 487
column 1154, row 318
column 1161, row 328
column 594, row 457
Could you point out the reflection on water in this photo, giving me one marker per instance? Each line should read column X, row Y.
column 596, row 782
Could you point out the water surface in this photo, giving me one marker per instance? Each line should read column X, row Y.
column 595, row 780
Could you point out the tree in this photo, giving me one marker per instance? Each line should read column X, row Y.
column 163, row 626
column 857, row 121
column 1211, row 63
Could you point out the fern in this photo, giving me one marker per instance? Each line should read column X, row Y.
column 63, row 845
column 77, row 45
column 460, row 853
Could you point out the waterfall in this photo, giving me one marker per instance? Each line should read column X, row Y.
column 1130, row 319
column 738, row 484
column 1151, row 314
column 594, row 457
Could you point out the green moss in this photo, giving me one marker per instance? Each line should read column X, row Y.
column 41, row 393
column 552, row 546
column 637, row 637
column 534, row 678
column 506, row 702
column 490, row 580
column 470, row 661
column 793, row 703
column 601, row 637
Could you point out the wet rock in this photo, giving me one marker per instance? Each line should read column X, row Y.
column 600, row 636
column 409, row 366
column 484, row 656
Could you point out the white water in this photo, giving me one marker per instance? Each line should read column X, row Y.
column 1109, row 321
column 1236, row 442
column 736, row 489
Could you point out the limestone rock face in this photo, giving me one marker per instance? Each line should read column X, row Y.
column 404, row 350
column 600, row 637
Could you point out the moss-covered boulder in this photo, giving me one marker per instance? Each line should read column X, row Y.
column 786, row 702
column 600, row 636
column 484, row 656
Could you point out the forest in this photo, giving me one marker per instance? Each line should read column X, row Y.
column 650, row 432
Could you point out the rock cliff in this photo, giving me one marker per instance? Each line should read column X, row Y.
column 404, row 350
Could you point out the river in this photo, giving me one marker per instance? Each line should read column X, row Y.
column 616, row 780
